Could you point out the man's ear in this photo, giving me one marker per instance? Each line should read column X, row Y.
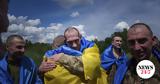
column 154, row 40
column 112, row 43
column 6, row 46
column 80, row 35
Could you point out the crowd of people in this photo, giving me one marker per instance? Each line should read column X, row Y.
column 75, row 60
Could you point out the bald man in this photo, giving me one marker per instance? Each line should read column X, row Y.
column 15, row 67
column 140, row 42
column 78, row 60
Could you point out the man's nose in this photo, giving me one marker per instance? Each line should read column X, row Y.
column 74, row 44
column 137, row 46
column 120, row 42
column 22, row 50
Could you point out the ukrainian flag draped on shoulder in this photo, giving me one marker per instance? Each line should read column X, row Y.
column 108, row 59
column 67, row 50
column 156, row 53
column 90, row 59
column 27, row 74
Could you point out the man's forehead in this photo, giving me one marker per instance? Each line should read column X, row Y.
column 117, row 38
column 72, row 37
column 16, row 40
column 136, row 36
column 71, row 33
column 139, row 28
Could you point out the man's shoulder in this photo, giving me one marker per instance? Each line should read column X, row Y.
column 132, row 76
column 108, row 50
column 49, row 53
column 28, row 61
column 86, row 43
column 3, row 58
column 2, row 62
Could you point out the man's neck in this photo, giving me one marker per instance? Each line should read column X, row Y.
column 117, row 52
column 12, row 60
column 148, row 58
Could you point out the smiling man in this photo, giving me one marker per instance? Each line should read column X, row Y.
column 140, row 42
column 15, row 67
column 114, row 60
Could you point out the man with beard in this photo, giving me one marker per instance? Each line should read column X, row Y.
column 114, row 61
column 140, row 42
column 15, row 68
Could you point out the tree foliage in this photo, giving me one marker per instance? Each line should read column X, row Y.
column 36, row 50
column 105, row 43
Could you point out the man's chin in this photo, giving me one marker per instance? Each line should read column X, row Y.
column 142, row 57
column 18, row 56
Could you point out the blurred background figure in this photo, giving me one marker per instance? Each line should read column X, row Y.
column 4, row 22
column 114, row 61
column 58, row 41
column 47, row 65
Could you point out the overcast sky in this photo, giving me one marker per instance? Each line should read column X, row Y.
column 42, row 20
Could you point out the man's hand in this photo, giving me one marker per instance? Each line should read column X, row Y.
column 46, row 66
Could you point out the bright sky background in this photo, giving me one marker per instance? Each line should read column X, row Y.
column 42, row 20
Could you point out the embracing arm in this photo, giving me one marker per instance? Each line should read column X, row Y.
column 72, row 63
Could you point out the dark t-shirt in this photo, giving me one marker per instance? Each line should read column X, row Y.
column 14, row 72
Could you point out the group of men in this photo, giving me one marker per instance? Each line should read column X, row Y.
column 75, row 60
